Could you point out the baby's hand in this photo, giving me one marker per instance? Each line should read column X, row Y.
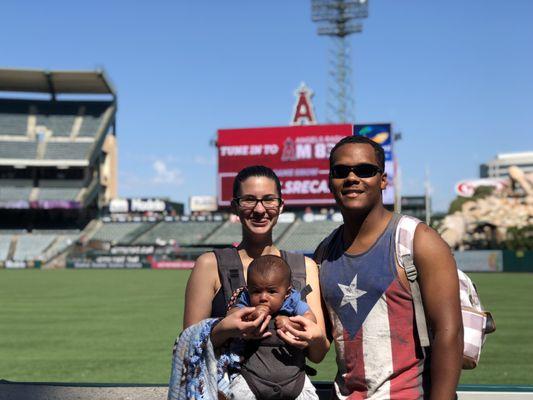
column 282, row 322
column 261, row 311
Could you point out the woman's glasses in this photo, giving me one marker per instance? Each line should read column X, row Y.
column 340, row 171
column 250, row 202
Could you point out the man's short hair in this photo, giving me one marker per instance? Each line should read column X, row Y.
column 358, row 139
column 267, row 264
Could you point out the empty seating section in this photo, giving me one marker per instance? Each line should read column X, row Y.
column 15, row 189
column 41, row 245
column 231, row 233
column 5, row 241
column 18, row 150
column 279, row 230
column 58, row 117
column 58, row 193
column 15, row 193
column 60, row 125
column 66, row 183
column 90, row 125
column 13, row 124
column 305, row 236
column 62, row 243
column 69, row 150
column 14, row 117
column 184, row 233
column 116, row 231
column 59, row 189
column 92, row 118
column 31, row 246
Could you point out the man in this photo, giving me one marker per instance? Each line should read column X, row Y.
column 367, row 294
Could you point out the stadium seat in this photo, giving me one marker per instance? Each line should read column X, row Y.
column 18, row 150
column 68, row 150
column 184, row 233
column 5, row 241
column 15, row 189
column 231, row 232
column 30, row 246
column 58, row 193
column 92, row 118
column 305, row 236
column 118, row 232
column 14, row 117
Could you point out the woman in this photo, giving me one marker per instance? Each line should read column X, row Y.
column 257, row 202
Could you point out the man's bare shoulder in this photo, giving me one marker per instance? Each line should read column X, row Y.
column 429, row 248
column 427, row 237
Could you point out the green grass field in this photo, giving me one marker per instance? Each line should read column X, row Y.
column 112, row 326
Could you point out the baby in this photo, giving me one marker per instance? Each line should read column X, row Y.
column 271, row 368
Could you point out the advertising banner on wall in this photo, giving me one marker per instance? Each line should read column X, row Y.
column 299, row 156
column 202, row 203
column 479, row 260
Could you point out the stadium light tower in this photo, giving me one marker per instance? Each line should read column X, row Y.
column 339, row 19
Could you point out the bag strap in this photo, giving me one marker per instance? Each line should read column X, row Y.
column 305, row 291
column 297, row 264
column 323, row 249
column 230, row 270
column 404, row 239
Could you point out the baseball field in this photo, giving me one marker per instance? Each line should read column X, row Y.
column 118, row 326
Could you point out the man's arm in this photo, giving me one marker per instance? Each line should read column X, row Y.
column 439, row 286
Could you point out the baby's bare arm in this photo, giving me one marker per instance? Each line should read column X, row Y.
column 282, row 321
column 310, row 315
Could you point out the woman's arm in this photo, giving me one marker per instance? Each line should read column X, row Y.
column 313, row 298
column 309, row 335
column 201, row 289
column 202, row 286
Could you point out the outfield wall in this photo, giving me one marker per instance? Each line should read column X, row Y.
column 495, row 260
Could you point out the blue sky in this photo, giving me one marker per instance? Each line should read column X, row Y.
column 455, row 78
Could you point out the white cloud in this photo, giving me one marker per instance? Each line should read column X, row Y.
column 203, row 160
column 166, row 175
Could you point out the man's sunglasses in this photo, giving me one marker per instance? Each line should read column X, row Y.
column 340, row 171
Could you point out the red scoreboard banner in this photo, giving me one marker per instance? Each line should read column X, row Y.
column 298, row 154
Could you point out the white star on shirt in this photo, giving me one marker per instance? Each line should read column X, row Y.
column 351, row 293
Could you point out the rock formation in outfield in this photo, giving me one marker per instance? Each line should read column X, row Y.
column 488, row 219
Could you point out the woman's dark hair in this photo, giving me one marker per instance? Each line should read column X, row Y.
column 357, row 139
column 254, row 170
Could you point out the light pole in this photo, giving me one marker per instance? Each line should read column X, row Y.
column 338, row 19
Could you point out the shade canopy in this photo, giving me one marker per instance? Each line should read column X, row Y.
column 55, row 82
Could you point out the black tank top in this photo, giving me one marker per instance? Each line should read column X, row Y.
column 218, row 306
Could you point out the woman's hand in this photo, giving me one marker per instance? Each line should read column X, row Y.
column 308, row 335
column 239, row 324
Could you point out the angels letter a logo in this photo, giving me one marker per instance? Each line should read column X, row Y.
column 303, row 113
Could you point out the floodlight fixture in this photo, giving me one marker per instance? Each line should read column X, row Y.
column 338, row 19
